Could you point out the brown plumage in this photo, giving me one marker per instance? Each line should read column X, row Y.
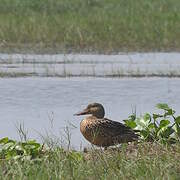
column 101, row 131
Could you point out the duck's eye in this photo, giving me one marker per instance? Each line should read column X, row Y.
column 93, row 109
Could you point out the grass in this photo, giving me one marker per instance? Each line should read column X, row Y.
column 89, row 25
column 142, row 161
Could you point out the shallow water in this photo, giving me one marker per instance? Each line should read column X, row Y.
column 130, row 64
column 48, row 104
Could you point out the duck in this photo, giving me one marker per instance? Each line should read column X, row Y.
column 101, row 131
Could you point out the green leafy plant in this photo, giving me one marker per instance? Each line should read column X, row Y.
column 19, row 150
column 163, row 127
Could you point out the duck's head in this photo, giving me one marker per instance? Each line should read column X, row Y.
column 94, row 109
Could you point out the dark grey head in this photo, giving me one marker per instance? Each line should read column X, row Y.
column 95, row 109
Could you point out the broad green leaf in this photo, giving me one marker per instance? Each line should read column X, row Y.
column 8, row 145
column 178, row 120
column 167, row 132
column 19, row 147
column 169, row 112
column 164, row 123
column 4, row 140
column 162, row 106
column 155, row 116
column 31, row 145
column 28, row 147
column 147, row 117
column 130, row 123
column 13, row 147
column 141, row 123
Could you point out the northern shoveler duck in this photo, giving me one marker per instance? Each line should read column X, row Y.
column 101, row 131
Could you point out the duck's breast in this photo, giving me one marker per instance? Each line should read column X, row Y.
column 85, row 128
column 89, row 129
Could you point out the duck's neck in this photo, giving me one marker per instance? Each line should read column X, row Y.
column 99, row 114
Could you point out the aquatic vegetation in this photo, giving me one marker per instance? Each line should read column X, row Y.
column 157, row 127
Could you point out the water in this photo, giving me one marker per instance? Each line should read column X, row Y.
column 48, row 104
column 130, row 64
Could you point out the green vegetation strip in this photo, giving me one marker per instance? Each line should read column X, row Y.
column 89, row 25
column 142, row 161
column 156, row 156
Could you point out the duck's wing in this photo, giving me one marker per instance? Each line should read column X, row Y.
column 116, row 129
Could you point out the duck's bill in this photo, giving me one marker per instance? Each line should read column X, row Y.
column 84, row 112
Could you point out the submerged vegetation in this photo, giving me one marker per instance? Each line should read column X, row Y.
column 89, row 25
column 156, row 156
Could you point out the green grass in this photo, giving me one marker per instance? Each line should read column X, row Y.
column 142, row 161
column 89, row 25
